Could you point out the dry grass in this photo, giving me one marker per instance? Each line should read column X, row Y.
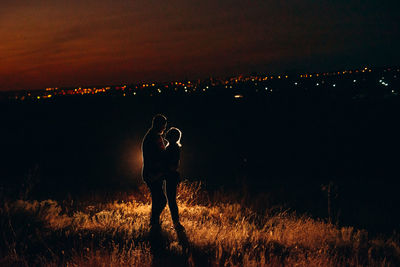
column 221, row 231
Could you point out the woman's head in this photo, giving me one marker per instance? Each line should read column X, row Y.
column 174, row 135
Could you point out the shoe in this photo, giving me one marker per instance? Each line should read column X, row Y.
column 179, row 227
column 182, row 238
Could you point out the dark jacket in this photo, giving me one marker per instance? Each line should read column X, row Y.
column 153, row 149
column 172, row 156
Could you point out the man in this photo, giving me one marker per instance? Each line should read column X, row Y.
column 153, row 148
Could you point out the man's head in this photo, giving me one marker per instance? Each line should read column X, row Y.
column 159, row 123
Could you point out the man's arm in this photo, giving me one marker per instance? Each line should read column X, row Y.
column 160, row 144
column 159, row 153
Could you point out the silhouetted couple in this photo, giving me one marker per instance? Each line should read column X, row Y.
column 160, row 163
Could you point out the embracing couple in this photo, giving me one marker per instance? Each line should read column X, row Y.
column 160, row 163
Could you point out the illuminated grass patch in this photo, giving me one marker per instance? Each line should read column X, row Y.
column 219, row 233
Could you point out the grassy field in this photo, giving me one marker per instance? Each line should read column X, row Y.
column 222, row 229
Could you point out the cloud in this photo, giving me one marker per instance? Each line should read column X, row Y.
column 130, row 39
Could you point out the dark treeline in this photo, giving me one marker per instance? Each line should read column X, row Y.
column 288, row 144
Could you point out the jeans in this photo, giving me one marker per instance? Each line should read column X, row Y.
column 159, row 200
column 171, row 183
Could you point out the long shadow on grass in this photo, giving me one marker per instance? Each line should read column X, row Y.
column 187, row 254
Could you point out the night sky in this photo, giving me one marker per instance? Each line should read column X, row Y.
column 99, row 42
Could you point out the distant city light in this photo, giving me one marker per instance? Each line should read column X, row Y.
column 253, row 83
